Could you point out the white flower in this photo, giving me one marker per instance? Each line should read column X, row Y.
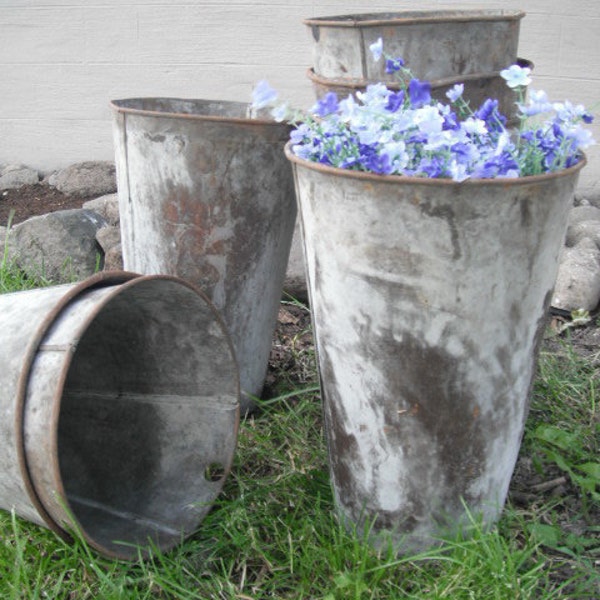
column 376, row 49
column 516, row 76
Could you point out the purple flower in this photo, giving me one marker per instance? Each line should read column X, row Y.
column 419, row 92
column 488, row 112
column 393, row 64
column 433, row 166
column 395, row 101
column 326, row 105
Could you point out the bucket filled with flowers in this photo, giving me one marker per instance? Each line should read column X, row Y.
column 431, row 233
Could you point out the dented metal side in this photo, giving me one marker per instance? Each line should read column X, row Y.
column 206, row 194
column 428, row 300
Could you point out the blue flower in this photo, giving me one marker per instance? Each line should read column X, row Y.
column 371, row 161
column 263, row 95
column 419, row 92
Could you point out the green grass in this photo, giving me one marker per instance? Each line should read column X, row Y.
column 273, row 532
column 12, row 279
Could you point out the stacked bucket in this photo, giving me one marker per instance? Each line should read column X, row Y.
column 444, row 47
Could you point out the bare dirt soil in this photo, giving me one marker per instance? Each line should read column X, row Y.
column 32, row 200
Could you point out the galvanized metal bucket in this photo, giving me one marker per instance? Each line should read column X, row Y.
column 478, row 87
column 435, row 44
column 428, row 300
column 206, row 194
column 120, row 406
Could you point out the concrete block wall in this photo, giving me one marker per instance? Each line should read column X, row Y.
column 62, row 61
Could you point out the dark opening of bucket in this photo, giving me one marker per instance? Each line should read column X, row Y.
column 148, row 412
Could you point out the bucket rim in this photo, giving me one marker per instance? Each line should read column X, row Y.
column 100, row 280
column 430, row 181
column 356, row 83
column 409, row 17
column 118, row 107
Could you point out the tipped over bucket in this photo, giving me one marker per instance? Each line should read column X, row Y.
column 120, row 404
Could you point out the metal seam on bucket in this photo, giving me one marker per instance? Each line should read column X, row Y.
column 99, row 280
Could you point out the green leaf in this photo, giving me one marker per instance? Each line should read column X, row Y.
column 592, row 469
column 548, row 535
column 555, row 436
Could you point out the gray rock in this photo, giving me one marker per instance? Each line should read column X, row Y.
column 108, row 237
column 59, row 246
column 91, row 178
column 16, row 176
column 583, row 213
column 588, row 197
column 582, row 230
column 107, row 206
column 578, row 281
column 113, row 258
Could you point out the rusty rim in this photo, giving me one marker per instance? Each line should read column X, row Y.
column 260, row 120
column 410, row 17
column 396, row 179
column 97, row 281
column 354, row 84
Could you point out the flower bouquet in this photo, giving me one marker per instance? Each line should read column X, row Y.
column 405, row 132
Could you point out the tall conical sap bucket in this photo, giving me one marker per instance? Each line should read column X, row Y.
column 428, row 300
column 206, row 194
column 435, row 44
column 120, row 407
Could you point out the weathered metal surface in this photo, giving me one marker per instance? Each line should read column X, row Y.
column 434, row 44
column 207, row 194
column 119, row 395
column 428, row 300
column 478, row 87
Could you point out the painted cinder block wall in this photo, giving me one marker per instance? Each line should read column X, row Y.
column 62, row 61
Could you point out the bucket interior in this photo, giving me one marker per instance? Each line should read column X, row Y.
column 148, row 417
